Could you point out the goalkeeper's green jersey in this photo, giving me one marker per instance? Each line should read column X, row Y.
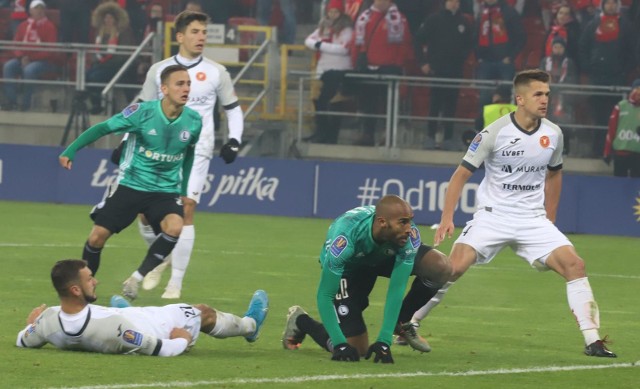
column 349, row 247
column 158, row 155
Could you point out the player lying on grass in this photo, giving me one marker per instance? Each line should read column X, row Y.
column 166, row 331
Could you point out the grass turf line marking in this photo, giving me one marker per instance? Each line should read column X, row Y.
column 318, row 378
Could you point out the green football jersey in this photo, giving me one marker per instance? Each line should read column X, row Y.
column 159, row 153
column 349, row 247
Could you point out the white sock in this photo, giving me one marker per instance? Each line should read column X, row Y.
column 181, row 255
column 136, row 274
column 435, row 300
column 584, row 308
column 228, row 325
column 146, row 232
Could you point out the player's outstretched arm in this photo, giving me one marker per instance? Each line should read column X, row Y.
column 65, row 162
column 456, row 183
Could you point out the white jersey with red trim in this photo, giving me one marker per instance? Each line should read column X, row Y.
column 516, row 163
column 210, row 81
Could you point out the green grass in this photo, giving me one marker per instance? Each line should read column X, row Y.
column 502, row 320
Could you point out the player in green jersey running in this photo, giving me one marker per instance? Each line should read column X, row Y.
column 362, row 244
column 153, row 172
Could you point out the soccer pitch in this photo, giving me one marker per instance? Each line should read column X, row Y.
column 502, row 325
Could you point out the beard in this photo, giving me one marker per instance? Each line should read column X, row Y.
column 90, row 298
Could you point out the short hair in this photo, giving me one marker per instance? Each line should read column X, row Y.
column 166, row 72
column 525, row 77
column 65, row 273
column 185, row 18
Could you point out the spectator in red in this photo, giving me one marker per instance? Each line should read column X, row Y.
column 565, row 26
column 31, row 65
column 500, row 38
column 623, row 137
column 382, row 45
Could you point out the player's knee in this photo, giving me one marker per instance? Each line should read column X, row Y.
column 172, row 225
column 98, row 237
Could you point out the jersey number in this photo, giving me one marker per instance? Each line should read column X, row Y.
column 343, row 294
column 188, row 311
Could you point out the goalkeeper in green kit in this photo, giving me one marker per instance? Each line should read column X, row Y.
column 153, row 172
column 362, row 244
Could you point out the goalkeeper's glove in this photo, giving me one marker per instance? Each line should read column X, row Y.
column 382, row 352
column 345, row 352
column 229, row 151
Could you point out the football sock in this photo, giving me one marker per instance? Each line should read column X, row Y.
column 435, row 300
column 146, row 231
column 584, row 308
column 228, row 325
column 157, row 252
column 419, row 295
column 181, row 255
column 92, row 256
column 314, row 329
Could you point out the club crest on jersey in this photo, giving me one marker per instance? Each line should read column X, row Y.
column 414, row 237
column 475, row 143
column 132, row 337
column 184, row 135
column 338, row 245
column 130, row 110
column 343, row 310
column 201, row 76
column 544, row 141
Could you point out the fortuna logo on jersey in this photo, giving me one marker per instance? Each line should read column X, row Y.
column 160, row 157
column 201, row 76
column 544, row 141
column 339, row 244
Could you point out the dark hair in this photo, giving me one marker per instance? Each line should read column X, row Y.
column 185, row 18
column 65, row 273
column 166, row 72
column 526, row 76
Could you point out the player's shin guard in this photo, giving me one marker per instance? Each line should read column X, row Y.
column 162, row 246
column 435, row 300
column 420, row 293
column 146, row 231
column 228, row 325
column 315, row 330
column 584, row 308
column 92, row 256
column 181, row 256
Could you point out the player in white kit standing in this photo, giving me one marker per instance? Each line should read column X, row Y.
column 518, row 201
column 210, row 82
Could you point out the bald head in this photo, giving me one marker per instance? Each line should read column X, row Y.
column 391, row 205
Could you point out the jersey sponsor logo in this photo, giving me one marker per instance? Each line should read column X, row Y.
column 201, row 76
column 475, row 143
column 198, row 99
column 531, row 169
column 132, row 337
column 161, row 157
column 414, row 237
column 152, row 132
column 130, row 110
column 184, row 135
column 515, row 187
column 512, row 153
column 545, row 141
column 338, row 245
column 343, row 310
column 507, row 169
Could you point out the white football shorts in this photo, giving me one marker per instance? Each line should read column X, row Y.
column 171, row 316
column 198, row 176
column 532, row 238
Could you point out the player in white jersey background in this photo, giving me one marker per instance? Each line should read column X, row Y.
column 76, row 324
column 518, row 201
column 210, row 82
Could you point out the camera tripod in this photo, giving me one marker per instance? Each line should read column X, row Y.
column 78, row 117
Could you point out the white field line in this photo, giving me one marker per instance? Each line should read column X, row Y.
column 342, row 377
